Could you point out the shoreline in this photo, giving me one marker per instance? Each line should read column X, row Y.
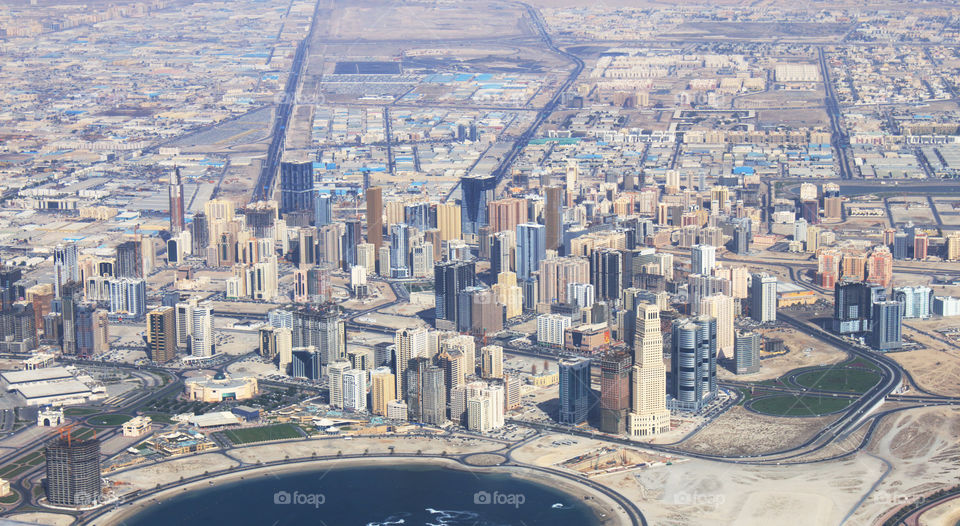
column 601, row 507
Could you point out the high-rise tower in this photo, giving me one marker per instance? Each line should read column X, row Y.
column 649, row 414
column 175, row 192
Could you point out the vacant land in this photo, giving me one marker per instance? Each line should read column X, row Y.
column 742, row 432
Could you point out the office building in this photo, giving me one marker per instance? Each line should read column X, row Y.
column 175, row 194
column 374, row 199
column 92, row 330
column 740, row 242
column 886, row 333
column 296, row 186
column 606, row 273
column 355, row 390
column 201, row 335
column 503, row 252
column 506, row 214
column 553, row 217
column 580, row 294
column 853, row 306
column 477, row 191
column 129, row 260
column 531, row 249
column 649, row 415
column 434, row 396
column 184, row 319
column 128, row 298
column 305, row 363
column 199, row 233
column 747, row 353
column 551, row 328
column 450, row 279
column 693, row 363
column 322, row 209
column 161, row 334
column 417, row 215
column 348, row 244
column 917, row 301
column 921, row 243
column 383, row 390
column 72, row 471
column 65, row 266
column 335, row 372
column 323, row 329
column 901, row 242
column 408, row 344
column 614, row 392
column 399, row 251
column 575, row 392
column 449, row 221
column 491, row 361
column 703, row 258
column 556, row 274
column 721, row 307
column 763, row 297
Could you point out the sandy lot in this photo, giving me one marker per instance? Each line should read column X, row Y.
column 741, row 432
column 702, row 492
column 921, row 446
column 776, row 366
column 935, row 371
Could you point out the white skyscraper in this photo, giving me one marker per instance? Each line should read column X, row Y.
column 355, row 390
column 336, row 372
column 702, row 259
column 550, row 328
column 763, row 297
column 202, row 336
column 581, row 294
column 184, row 316
column 128, row 297
column 65, row 265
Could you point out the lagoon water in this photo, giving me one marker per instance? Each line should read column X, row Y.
column 416, row 495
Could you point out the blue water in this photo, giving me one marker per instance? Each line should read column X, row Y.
column 372, row 496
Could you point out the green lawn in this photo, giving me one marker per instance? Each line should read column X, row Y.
column 109, row 420
column 840, row 379
column 79, row 411
column 82, row 433
column 260, row 434
column 805, row 405
column 162, row 418
column 11, row 498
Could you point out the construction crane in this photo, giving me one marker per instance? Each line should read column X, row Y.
column 67, row 430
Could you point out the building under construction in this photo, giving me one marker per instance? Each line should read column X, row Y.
column 73, row 471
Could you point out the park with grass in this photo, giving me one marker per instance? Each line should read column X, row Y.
column 262, row 434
